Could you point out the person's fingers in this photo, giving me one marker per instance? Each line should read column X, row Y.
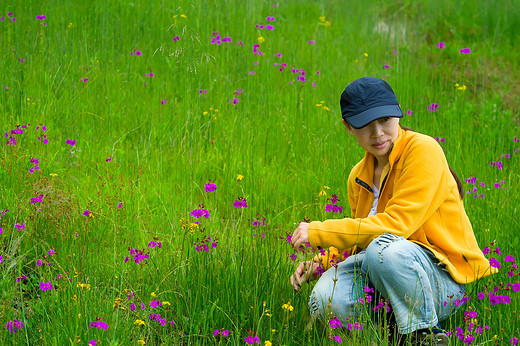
column 295, row 281
column 293, row 284
column 294, row 238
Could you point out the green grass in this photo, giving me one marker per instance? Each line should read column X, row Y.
column 284, row 136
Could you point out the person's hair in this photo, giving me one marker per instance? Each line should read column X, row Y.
column 455, row 176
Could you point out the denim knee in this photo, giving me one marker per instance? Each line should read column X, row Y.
column 385, row 255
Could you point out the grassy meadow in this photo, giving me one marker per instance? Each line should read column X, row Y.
column 120, row 118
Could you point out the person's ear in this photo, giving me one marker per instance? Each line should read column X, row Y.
column 349, row 128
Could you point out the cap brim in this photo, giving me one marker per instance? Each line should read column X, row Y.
column 364, row 118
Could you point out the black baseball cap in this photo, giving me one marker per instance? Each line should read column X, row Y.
column 367, row 99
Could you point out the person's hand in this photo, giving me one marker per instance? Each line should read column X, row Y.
column 300, row 236
column 304, row 273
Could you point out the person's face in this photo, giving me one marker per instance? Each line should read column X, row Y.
column 377, row 137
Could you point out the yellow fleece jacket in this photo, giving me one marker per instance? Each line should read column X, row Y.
column 418, row 200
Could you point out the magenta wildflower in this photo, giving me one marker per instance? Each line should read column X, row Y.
column 158, row 318
column 471, row 314
column 132, row 306
column 176, row 38
column 252, row 340
column 37, row 199
column 24, row 278
column 336, row 338
column 240, row 203
column 98, row 325
column 465, row 51
column 216, row 39
column 311, row 42
column 516, row 287
column 155, row 304
column 92, row 343
column 409, row 112
column 14, row 326
column 20, row 226
column 387, row 66
column 46, row 286
column 198, row 213
column 356, row 325
column 40, row 17
column 513, row 341
column 149, row 74
column 509, row 258
column 225, row 333
column 441, row 45
column 481, row 295
column 138, row 255
column 86, row 213
column 433, row 107
column 335, row 323
column 210, row 187
column 108, row 159
column 70, row 142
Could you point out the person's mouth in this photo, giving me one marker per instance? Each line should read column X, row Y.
column 380, row 145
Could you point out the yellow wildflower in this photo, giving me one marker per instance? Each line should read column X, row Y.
column 54, row 175
column 323, row 192
column 141, row 342
column 319, row 105
column 366, row 55
column 153, row 294
column 87, row 286
column 79, row 315
column 322, row 19
column 288, row 306
column 204, row 113
column 268, row 343
column 166, row 303
column 240, row 177
column 69, row 26
column 463, row 87
column 139, row 322
column 183, row 16
column 75, row 297
column 261, row 39
column 118, row 302
column 326, row 108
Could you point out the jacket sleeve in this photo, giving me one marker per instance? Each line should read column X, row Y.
column 416, row 197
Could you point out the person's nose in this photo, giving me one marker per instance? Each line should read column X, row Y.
column 377, row 129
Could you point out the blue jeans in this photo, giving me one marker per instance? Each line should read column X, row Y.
column 416, row 284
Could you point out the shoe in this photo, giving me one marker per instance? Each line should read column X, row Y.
column 435, row 337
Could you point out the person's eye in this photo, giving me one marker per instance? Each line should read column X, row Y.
column 385, row 119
